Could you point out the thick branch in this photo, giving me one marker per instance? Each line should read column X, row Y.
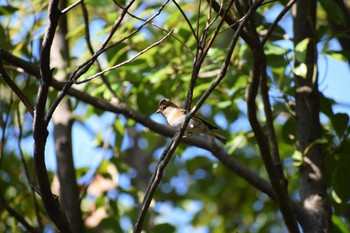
column 40, row 132
column 265, row 150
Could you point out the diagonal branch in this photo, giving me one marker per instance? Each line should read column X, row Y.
column 64, row 11
column 201, row 53
column 127, row 61
column 85, row 66
column 275, row 172
column 278, row 18
column 187, row 20
column 14, row 87
column 159, row 27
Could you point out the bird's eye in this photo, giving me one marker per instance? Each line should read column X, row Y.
column 164, row 107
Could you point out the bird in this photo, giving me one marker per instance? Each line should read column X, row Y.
column 175, row 116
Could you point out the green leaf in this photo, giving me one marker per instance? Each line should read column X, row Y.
column 164, row 227
column 288, row 131
column 297, row 157
column 334, row 11
column 337, row 55
column 272, row 49
column 301, row 49
column 340, row 123
column 339, row 225
column 120, row 130
column 7, row 10
column 342, row 175
column 326, row 105
column 300, row 70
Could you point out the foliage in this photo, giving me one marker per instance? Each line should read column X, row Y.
column 197, row 193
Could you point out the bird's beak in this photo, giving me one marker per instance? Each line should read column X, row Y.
column 158, row 111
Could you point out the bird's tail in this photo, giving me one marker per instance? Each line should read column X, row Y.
column 222, row 139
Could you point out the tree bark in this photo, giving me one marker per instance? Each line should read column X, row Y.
column 313, row 193
column 63, row 120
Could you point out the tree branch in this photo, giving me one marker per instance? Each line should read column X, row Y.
column 14, row 87
column 3, row 201
column 276, row 21
column 26, row 171
column 125, row 62
column 168, row 152
column 121, row 108
column 200, row 56
column 64, row 11
column 40, row 132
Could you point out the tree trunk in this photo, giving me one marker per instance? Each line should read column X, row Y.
column 63, row 120
column 313, row 193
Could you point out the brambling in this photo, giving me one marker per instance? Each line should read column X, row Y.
column 175, row 116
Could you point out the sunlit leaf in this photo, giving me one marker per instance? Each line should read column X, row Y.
column 301, row 49
column 300, row 70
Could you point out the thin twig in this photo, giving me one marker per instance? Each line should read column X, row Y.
column 86, row 65
column 26, row 171
column 14, row 87
column 159, row 27
column 92, row 51
column 157, row 176
column 187, row 20
column 3, row 202
column 278, row 18
column 200, row 55
column 125, row 62
column 71, row 6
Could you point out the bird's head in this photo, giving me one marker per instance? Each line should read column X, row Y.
column 165, row 104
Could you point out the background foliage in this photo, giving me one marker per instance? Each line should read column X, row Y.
column 197, row 193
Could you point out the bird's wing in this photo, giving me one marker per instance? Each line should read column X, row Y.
column 195, row 117
column 209, row 125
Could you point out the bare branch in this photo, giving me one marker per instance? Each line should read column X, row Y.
column 127, row 61
column 278, row 18
column 157, row 177
column 64, row 11
column 40, row 132
column 85, row 66
column 3, row 201
column 200, row 55
column 269, row 150
column 159, row 27
column 14, row 87
column 91, row 49
column 187, row 20
column 26, row 171
column 226, row 62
